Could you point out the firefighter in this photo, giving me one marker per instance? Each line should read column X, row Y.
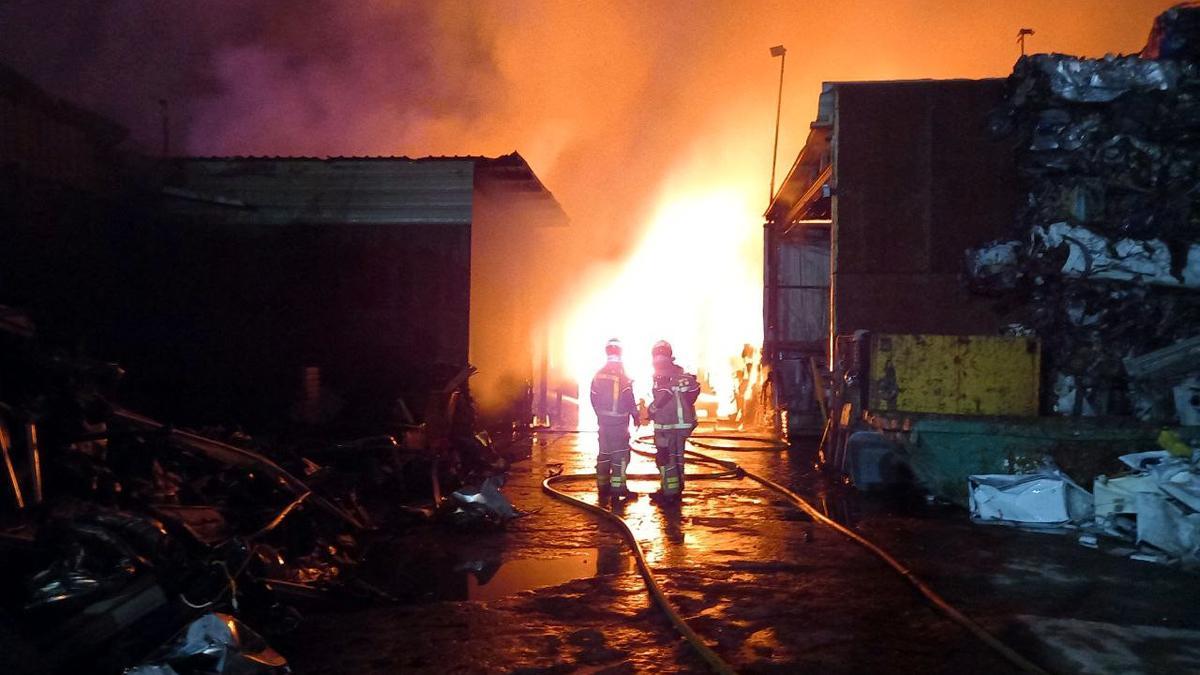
column 612, row 399
column 674, row 413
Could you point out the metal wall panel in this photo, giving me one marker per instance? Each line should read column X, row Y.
column 952, row 374
column 804, row 314
column 918, row 181
column 266, row 191
column 804, row 263
column 803, row 287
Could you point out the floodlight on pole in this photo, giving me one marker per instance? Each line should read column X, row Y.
column 781, row 52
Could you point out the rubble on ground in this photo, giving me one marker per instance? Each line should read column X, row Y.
column 136, row 545
column 1153, row 503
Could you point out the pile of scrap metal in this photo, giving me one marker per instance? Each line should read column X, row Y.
column 1153, row 503
column 1157, row 502
column 129, row 544
column 1104, row 264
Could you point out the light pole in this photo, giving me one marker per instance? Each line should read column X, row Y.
column 781, row 52
column 769, row 284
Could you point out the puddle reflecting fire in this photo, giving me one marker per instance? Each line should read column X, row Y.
column 495, row 581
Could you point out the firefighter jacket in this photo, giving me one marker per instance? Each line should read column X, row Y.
column 675, row 393
column 612, row 396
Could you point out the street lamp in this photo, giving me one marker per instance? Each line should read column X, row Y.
column 781, row 52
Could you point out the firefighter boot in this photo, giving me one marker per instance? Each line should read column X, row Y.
column 671, row 486
column 617, row 483
column 605, row 479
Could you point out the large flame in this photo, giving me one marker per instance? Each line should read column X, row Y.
column 694, row 279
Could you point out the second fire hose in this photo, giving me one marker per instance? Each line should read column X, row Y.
column 729, row 470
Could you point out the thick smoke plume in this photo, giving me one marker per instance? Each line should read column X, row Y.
column 602, row 98
column 612, row 103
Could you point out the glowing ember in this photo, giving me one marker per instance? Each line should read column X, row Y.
column 695, row 280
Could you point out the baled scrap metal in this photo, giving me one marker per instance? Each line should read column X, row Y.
column 1187, row 401
column 1080, row 80
column 1176, row 34
column 1093, row 256
column 1178, row 359
column 1105, row 257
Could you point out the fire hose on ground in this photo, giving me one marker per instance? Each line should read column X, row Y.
column 733, row 470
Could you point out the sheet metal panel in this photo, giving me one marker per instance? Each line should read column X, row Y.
column 266, row 191
column 917, row 182
column 961, row 375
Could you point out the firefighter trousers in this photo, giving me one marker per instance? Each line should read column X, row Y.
column 669, row 444
column 612, row 459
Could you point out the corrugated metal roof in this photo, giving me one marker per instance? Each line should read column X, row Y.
column 365, row 190
column 278, row 191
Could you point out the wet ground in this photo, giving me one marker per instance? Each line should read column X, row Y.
column 558, row 591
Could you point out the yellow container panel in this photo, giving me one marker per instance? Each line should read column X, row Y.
column 953, row 374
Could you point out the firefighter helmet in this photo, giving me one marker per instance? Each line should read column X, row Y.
column 662, row 350
column 612, row 349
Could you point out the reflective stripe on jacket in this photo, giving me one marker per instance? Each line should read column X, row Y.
column 675, row 393
column 612, row 396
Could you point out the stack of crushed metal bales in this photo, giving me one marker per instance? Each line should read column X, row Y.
column 1104, row 265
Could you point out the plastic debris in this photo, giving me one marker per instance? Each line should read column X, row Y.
column 1140, row 461
column 216, row 644
column 1159, row 504
column 1166, row 525
column 484, row 505
column 1035, row 499
column 1070, row 399
column 995, row 264
column 1118, row 495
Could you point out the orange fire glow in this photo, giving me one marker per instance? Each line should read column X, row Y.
column 691, row 271
column 693, row 279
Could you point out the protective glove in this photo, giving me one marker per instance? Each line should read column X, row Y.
column 643, row 413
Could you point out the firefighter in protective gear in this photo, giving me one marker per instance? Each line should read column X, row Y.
column 674, row 413
column 612, row 399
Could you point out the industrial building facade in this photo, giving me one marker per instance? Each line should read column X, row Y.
column 236, row 288
column 367, row 273
column 869, row 228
